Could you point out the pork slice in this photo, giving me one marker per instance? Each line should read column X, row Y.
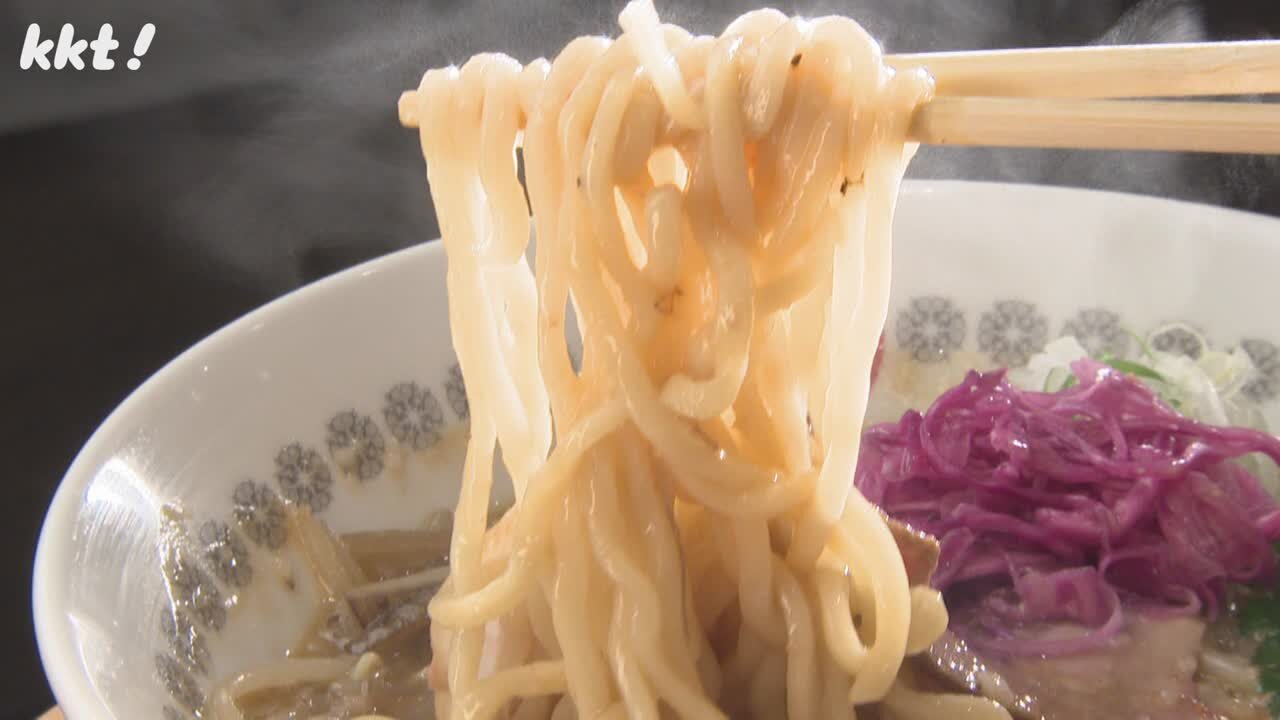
column 1148, row 673
column 952, row 660
column 919, row 551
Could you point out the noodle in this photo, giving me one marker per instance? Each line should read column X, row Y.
column 685, row 540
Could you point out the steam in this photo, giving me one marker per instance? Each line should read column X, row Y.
column 267, row 132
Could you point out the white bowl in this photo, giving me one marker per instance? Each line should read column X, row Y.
column 260, row 413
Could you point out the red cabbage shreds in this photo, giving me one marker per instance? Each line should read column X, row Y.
column 1073, row 507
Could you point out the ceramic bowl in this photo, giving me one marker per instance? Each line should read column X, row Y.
column 164, row 565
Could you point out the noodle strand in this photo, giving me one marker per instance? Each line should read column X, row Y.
column 716, row 214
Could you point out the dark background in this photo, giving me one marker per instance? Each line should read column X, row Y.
column 257, row 149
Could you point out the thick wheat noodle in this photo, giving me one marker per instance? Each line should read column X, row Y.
column 475, row 342
column 791, row 284
column 522, row 303
column 843, row 643
column 808, row 321
column 534, row 707
column 728, row 334
column 468, row 281
column 768, row 81
column 546, row 677
column 466, row 548
column 638, row 132
column 835, row 689
column 846, row 397
column 719, row 594
column 640, row 701
column 564, row 710
column 729, row 345
column 754, row 434
column 502, row 594
column 500, row 121
column 756, row 594
column 664, row 218
column 540, row 620
column 906, row 701
column 805, row 149
column 803, row 692
column 772, row 401
column 699, row 465
column 500, row 126
column 297, row 671
column 848, row 282
column 768, row 688
column 611, row 99
column 652, row 509
column 648, row 41
column 850, row 389
column 716, row 213
column 691, row 53
column 588, row 133
column 587, row 679
column 928, row 619
column 727, row 137
column 865, row 529
column 552, row 258
column 468, row 527
column 608, row 531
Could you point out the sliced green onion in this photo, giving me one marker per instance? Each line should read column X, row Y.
column 1057, row 378
column 1143, row 345
column 1259, row 616
column 1131, row 368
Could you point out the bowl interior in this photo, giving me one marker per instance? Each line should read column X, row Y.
column 165, row 565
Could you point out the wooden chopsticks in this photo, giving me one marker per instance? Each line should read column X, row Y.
column 1101, row 71
column 1219, row 127
column 1065, row 97
column 1095, row 97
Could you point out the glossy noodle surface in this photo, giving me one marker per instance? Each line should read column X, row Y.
column 685, row 540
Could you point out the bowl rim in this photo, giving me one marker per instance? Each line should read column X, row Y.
column 73, row 688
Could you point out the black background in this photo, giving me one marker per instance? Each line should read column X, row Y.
column 257, row 149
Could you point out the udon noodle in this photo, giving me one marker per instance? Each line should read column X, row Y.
column 685, row 540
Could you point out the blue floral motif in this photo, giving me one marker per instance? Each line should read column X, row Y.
column 413, row 415
column 1266, row 359
column 930, row 328
column 1012, row 331
column 1099, row 331
column 182, row 687
column 304, row 477
column 191, row 589
column 455, row 391
column 1177, row 339
column 226, row 553
column 356, row 439
column 260, row 514
column 185, row 640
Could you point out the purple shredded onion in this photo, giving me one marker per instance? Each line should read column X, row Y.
column 1074, row 507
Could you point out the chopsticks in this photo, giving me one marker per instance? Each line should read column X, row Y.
column 1102, row 71
column 1219, row 127
column 1060, row 97
column 1095, row 97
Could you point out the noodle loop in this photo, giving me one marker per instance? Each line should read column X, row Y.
column 716, row 213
